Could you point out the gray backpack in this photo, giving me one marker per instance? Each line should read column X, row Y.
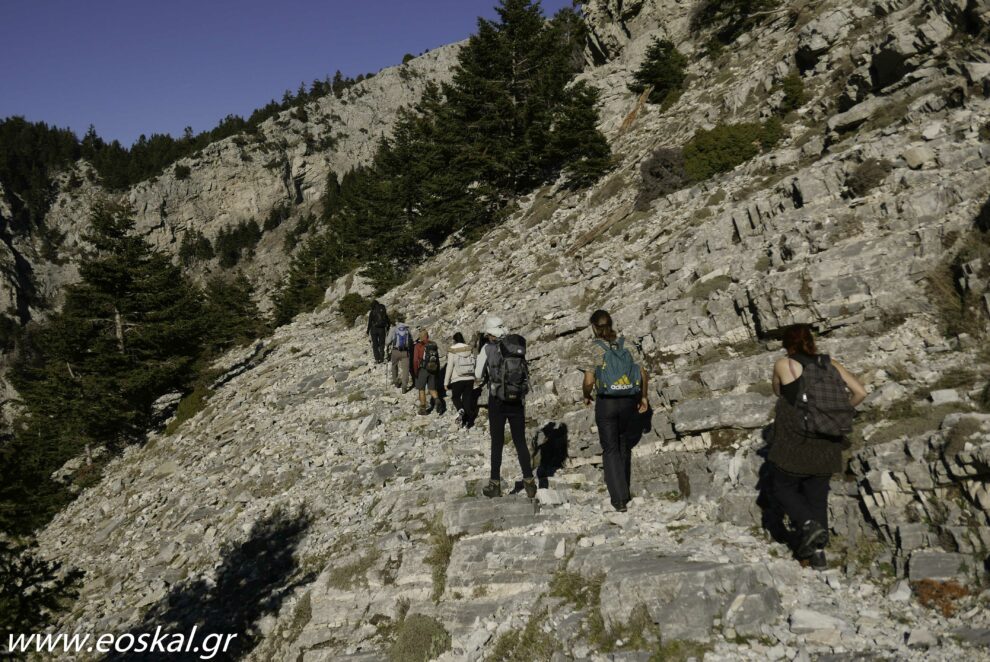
column 618, row 375
column 823, row 398
column 508, row 371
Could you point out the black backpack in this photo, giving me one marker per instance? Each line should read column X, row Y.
column 508, row 371
column 823, row 398
column 378, row 315
column 431, row 358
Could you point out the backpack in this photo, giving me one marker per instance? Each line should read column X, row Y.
column 618, row 374
column 463, row 365
column 508, row 371
column 378, row 317
column 823, row 398
column 431, row 358
column 402, row 337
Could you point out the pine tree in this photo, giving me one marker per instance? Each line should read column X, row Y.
column 662, row 70
column 128, row 332
column 318, row 262
column 232, row 314
column 509, row 88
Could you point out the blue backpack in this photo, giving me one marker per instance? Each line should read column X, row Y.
column 402, row 338
column 618, row 374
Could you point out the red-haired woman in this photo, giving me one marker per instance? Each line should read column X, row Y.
column 802, row 463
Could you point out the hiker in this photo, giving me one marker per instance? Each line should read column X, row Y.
column 399, row 343
column 426, row 369
column 459, row 380
column 621, row 392
column 378, row 324
column 502, row 364
column 814, row 413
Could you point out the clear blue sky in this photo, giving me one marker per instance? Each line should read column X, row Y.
column 156, row 66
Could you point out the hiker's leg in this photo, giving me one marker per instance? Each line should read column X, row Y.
column 815, row 490
column 787, row 489
column 394, row 367
column 404, row 369
column 496, row 428
column 630, row 430
column 474, row 394
column 378, row 343
column 517, row 426
column 457, row 395
column 613, row 462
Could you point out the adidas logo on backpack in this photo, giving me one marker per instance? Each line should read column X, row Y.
column 618, row 375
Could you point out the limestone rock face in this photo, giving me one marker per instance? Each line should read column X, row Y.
column 241, row 178
column 312, row 482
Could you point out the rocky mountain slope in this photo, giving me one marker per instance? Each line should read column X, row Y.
column 238, row 179
column 308, row 508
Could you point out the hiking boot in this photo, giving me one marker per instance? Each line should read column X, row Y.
column 460, row 418
column 818, row 560
column 423, row 411
column 530, row 485
column 813, row 536
column 441, row 406
column 492, row 489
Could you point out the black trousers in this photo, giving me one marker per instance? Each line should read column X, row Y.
column 802, row 497
column 500, row 413
column 619, row 429
column 378, row 343
column 462, row 395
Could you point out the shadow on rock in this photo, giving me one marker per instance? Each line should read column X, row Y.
column 551, row 449
column 254, row 579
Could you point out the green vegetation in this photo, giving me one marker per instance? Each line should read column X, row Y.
column 353, row 306
column 439, row 556
column 679, row 650
column 867, row 176
column 32, row 590
column 525, row 644
column 507, row 123
column 133, row 329
column 959, row 307
column 663, row 173
column 794, row 95
column 195, row 247
column 726, row 146
column 189, row 406
column 662, row 70
column 706, row 154
column 182, row 172
column 419, row 638
column 276, row 217
column 351, row 575
column 730, row 18
column 234, row 242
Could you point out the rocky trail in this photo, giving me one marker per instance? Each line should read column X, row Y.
column 309, row 455
column 307, row 507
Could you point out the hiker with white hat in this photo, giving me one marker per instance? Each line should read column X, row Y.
column 502, row 364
